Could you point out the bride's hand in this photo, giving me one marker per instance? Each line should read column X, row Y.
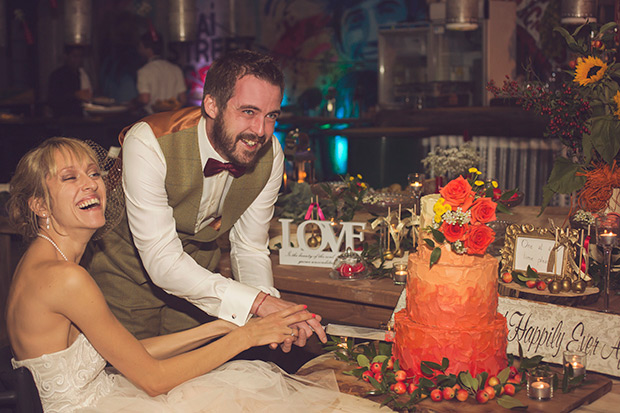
column 274, row 328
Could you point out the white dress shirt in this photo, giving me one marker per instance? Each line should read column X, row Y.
column 161, row 79
column 154, row 229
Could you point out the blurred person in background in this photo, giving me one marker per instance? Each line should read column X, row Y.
column 69, row 85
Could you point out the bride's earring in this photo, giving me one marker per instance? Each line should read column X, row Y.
column 47, row 222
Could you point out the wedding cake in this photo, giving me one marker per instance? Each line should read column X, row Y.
column 451, row 312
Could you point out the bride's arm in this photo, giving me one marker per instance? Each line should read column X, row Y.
column 80, row 300
column 162, row 347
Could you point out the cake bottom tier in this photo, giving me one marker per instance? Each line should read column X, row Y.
column 474, row 349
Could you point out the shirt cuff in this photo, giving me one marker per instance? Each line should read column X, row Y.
column 237, row 303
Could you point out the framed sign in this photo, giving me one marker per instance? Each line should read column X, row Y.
column 548, row 251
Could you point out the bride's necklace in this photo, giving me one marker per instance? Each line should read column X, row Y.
column 54, row 244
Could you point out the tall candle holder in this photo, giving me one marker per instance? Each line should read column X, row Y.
column 607, row 231
column 416, row 185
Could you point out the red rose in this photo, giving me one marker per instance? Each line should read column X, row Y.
column 483, row 211
column 478, row 239
column 458, row 193
column 496, row 193
column 454, row 232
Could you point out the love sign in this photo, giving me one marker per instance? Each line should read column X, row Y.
column 332, row 239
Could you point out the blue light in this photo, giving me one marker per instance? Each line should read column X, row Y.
column 340, row 153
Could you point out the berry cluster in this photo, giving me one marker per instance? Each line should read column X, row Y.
column 568, row 112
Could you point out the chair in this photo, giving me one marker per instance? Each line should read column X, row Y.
column 18, row 393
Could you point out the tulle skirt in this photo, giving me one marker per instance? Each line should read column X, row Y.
column 239, row 386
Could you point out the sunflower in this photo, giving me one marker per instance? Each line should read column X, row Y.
column 617, row 101
column 589, row 70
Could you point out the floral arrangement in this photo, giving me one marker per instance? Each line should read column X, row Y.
column 462, row 212
column 583, row 108
column 347, row 199
column 450, row 162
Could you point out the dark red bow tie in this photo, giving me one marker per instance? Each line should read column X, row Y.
column 214, row 167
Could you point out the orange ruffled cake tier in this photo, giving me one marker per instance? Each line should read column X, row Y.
column 474, row 349
column 459, row 291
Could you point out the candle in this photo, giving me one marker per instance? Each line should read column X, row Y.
column 400, row 274
column 607, row 239
column 540, row 390
column 578, row 369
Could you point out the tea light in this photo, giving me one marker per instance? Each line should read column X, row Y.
column 576, row 360
column 399, row 274
column 540, row 390
column 539, row 384
column 607, row 239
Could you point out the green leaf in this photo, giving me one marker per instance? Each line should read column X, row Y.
column 380, row 358
column 435, row 255
column 604, row 134
column 426, row 370
column 426, row 383
column 504, row 209
column 509, row 402
column 429, row 242
column 445, row 363
column 607, row 26
column 563, row 178
column 438, row 235
column 432, row 365
column 504, row 375
column 363, row 361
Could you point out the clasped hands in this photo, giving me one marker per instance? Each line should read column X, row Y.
column 301, row 331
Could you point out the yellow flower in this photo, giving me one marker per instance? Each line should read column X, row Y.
column 494, row 183
column 479, row 183
column 359, row 176
column 617, row 100
column 473, row 170
column 351, row 178
column 440, row 208
column 589, row 70
column 363, row 185
column 478, row 173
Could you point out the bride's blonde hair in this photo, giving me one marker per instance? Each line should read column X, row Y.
column 29, row 180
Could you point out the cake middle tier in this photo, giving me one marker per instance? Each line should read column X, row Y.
column 474, row 349
column 459, row 291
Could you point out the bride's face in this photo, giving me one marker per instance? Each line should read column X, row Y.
column 77, row 193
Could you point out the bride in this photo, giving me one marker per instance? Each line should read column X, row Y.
column 62, row 330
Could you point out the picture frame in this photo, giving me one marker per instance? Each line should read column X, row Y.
column 529, row 245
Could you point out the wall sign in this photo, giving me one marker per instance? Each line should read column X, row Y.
column 329, row 247
column 549, row 329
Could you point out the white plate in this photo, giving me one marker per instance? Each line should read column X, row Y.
column 91, row 108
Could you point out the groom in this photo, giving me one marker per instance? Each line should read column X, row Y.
column 189, row 177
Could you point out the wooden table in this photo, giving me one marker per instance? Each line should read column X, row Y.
column 595, row 389
column 367, row 302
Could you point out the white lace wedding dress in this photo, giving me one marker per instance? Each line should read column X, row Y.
column 75, row 379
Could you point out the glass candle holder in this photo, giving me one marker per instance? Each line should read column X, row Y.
column 416, row 186
column 399, row 274
column 607, row 232
column 575, row 360
column 539, row 384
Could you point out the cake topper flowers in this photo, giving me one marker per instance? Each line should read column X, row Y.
column 461, row 214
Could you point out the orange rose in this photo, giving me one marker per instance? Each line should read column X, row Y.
column 483, row 211
column 478, row 238
column 454, row 232
column 458, row 193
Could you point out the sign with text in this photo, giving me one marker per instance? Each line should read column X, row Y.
column 329, row 244
column 548, row 330
column 536, row 252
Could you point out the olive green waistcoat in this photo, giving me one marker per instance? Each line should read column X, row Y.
column 115, row 255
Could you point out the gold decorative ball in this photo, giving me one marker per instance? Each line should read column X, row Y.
column 548, row 279
column 388, row 255
column 314, row 241
column 399, row 252
column 579, row 286
column 567, row 284
column 555, row 287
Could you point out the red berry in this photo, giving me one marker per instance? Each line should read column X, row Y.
column 411, row 388
column 390, row 363
column 366, row 375
column 436, row 395
column 379, row 377
column 541, row 285
column 448, row 393
column 462, row 395
column 530, row 283
column 400, row 388
column 400, row 375
column 375, row 367
column 482, row 396
column 510, row 389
